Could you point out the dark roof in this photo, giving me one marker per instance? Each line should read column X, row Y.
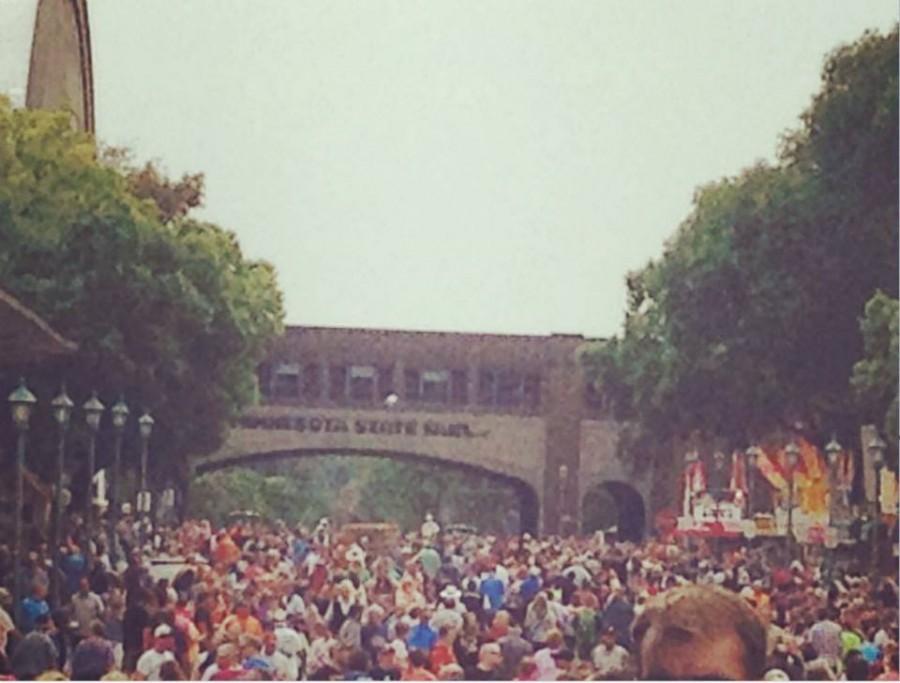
column 25, row 337
column 368, row 331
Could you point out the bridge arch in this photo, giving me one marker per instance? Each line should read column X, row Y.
column 614, row 503
column 529, row 501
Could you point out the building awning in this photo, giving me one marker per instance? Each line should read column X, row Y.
column 25, row 337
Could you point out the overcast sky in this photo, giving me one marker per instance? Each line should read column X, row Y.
column 467, row 166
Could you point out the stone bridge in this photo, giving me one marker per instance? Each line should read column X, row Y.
column 334, row 391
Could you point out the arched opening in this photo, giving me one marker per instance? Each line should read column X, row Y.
column 614, row 504
column 359, row 485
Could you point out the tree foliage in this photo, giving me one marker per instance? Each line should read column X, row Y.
column 165, row 308
column 356, row 488
column 875, row 376
column 171, row 199
column 215, row 495
column 748, row 322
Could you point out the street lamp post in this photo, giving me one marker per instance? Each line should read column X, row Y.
column 876, row 448
column 832, row 451
column 62, row 412
column 93, row 410
column 119, row 418
column 793, row 456
column 22, row 402
column 145, row 426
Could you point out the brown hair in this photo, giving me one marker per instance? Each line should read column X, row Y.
column 686, row 612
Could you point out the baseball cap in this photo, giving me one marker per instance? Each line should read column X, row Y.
column 162, row 631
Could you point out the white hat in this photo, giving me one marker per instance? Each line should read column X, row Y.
column 776, row 675
column 162, row 631
column 279, row 616
column 451, row 592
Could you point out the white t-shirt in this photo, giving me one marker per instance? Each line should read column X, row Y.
column 295, row 605
column 430, row 529
column 401, row 654
column 290, row 641
column 446, row 617
column 608, row 662
column 151, row 662
column 285, row 668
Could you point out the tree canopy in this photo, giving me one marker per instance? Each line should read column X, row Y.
column 749, row 321
column 875, row 376
column 357, row 488
column 166, row 310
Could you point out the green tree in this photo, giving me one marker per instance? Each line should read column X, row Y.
column 748, row 321
column 165, row 309
column 875, row 376
column 215, row 495
column 383, row 489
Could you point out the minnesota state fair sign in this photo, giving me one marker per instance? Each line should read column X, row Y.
column 398, row 427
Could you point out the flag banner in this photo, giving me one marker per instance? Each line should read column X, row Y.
column 811, row 481
column 888, row 493
column 738, row 472
column 772, row 471
column 694, row 482
column 846, row 470
column 811, row 461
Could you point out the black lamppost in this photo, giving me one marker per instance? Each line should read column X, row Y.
column 145, row 424
column 119, row 418
column 62, row 412
column 793, row 456
column 835, row 520
column 93, row 410
column 876, row 448
column 22, row 402
column 832, row 451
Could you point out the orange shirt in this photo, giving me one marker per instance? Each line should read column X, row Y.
column 441, row 655
column 226, row 551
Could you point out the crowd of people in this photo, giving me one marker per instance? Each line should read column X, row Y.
column 257, row 601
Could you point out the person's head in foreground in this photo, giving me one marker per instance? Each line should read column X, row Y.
column 699, row 633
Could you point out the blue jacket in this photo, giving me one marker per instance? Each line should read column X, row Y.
column 422, row 637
